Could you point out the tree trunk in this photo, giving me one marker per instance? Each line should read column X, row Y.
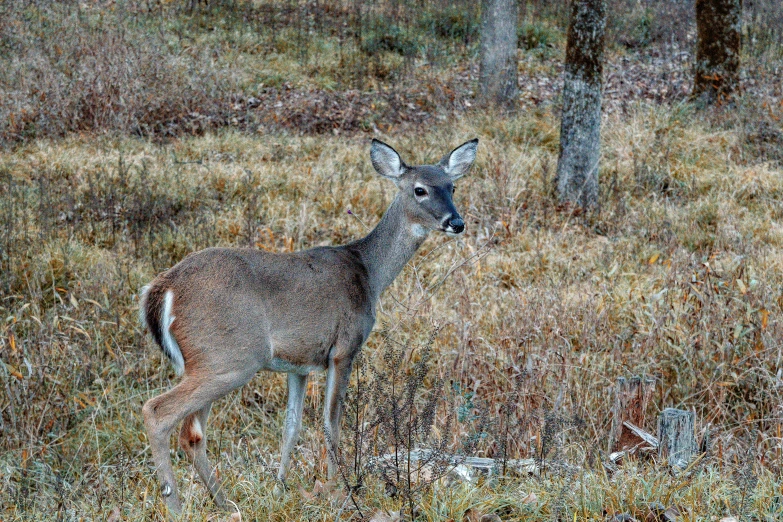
column 580, row 130
column 498, row 69
column 718, row 26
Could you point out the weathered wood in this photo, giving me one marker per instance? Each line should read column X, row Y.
column 631, row 398
column 462, row 464
column 718, row 40
column 645, row 437
column 645, row 444
column 704, row 445
column 677, row 437
column 580, row 130
column 498, row 68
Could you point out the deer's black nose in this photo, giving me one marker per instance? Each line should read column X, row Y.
column 457, row 225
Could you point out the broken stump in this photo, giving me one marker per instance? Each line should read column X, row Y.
column 676, row 436
column 631, row 398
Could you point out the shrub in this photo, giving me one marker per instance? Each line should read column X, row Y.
column 535, row 35
column 456, row 23
column 382, row 35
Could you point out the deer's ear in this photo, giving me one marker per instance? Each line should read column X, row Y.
column 386, row 161
column 457, row 163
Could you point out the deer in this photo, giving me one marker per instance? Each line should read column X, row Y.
column 222, row 314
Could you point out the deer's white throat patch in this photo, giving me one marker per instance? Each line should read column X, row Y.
column 419, row 231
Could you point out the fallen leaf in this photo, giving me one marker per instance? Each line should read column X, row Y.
column 764, row 318
column 380, row 516
column 531, row 498
column 471, row 515
column 306, row 494
column 115, row 515
column 655, row 512
column 491, row 517
column 319, row 487
column 671, row 514
column 328, row 489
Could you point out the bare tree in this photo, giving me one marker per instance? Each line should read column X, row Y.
column 718, row 26
column 580, row 130
column 498, row 69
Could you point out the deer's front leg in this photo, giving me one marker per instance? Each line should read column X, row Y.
column 297, row 385
column 337, row 377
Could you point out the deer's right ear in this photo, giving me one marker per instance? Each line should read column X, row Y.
column 386, row 161
column 457, row 163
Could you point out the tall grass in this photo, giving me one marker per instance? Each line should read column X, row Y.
column 678, row 278
column 538, row 308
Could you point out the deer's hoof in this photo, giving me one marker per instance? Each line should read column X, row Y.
column 278, row 491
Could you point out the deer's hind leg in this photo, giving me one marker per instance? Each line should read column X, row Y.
column 164, row 412
column 161, row 415
column 193, row 440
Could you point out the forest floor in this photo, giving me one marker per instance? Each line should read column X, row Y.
column 133, row 137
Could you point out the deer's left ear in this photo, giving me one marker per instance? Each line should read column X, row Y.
column 457, row 163
column 386, row 161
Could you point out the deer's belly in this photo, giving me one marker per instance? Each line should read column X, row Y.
column 278, row 364
column 300, row 352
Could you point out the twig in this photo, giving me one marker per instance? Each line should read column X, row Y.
column 482, row 463
column 358, row 219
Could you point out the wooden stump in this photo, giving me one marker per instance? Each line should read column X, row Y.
column 677, row 437
column 631, row 398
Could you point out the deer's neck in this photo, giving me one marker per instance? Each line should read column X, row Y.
column 387, row 249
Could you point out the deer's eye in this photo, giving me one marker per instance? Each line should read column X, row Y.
column 420, row 192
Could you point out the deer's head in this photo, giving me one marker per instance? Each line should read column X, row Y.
column 426, row 191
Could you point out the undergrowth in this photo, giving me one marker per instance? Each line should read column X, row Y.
column 538, row 309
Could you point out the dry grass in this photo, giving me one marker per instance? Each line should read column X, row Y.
column 678, row 277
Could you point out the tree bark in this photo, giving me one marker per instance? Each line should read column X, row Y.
column 580, row 129
column 718, row 26
column 677, row 437
column 499, row 65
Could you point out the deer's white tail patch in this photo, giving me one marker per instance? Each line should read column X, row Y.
column 143, row 305
column 170, row 345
